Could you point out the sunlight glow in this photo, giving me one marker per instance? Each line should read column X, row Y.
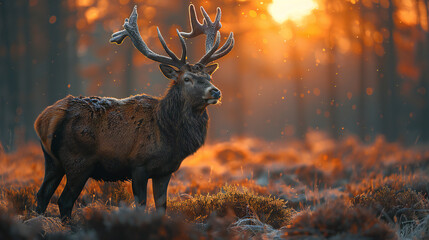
column 92, row 14
column 295, row 10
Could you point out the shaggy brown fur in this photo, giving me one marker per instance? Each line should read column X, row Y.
column 136, row 138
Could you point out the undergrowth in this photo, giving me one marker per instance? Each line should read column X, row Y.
column 128, row 223
column 394, row 205
column 340, row 221
column 22, row 199
column 242, row 203
column 383, row 188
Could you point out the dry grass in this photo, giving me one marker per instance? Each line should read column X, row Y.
column 242, row 203
column 394, row 205
column 244, row 188
column 417, row 182
column 338, row 220
column 22, row 199
column 127, row 223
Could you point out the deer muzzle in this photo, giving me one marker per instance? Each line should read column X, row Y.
column 212, row 95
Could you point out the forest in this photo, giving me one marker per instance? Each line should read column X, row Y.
column 322, row 131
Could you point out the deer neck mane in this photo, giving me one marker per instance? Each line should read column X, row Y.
column 185, row 128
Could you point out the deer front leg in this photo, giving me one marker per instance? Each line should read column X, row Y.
column 139, row 184
column 160, row 185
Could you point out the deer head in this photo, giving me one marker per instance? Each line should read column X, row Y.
column 194, row 80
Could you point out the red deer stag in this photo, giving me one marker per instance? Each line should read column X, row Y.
column 135, row 138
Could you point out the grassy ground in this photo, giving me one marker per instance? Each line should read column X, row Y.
column 245, row 188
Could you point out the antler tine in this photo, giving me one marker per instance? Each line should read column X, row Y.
column 131, row 30
column 196, row 26
column 207, row 18
column 227, row 44
column 208, row 27
column 218, row 16
column 164, row 45
column 118, row 37
column 211, row 30
column 182, row 42
column 205, row 59
column 225, row 50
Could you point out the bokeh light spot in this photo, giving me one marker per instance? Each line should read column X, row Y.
column 52, row 19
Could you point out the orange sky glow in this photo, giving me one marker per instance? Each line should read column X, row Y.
column 294, row 10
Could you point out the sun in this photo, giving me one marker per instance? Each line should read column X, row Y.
column 295, row 10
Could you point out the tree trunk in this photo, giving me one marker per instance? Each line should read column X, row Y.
column 129, row 69
column 3, row 84
column 72, row 59
column 383, row 84
column 393, row 83
column 28, row 106
column 57, row 78
column 300, row 109
column 237, row 89
column 129, row 83
column 239, row 105
column 332, row 73
column 332, row 85
column 9, row 101
column 424, row 79
column 362, row 69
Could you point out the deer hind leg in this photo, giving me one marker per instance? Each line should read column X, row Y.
column 53, row 175
column 139, row 184
column 160, row 185
column 73, row 188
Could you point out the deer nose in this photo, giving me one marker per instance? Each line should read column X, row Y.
column 215, row 93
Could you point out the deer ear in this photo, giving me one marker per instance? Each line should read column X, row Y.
column 212, row 68
column 169, row 72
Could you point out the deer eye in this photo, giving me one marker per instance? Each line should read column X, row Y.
column 187, row 79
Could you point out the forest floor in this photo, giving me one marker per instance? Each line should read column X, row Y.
column 245, row 188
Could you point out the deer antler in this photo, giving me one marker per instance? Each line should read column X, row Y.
column 131, row 30
column 211, row 30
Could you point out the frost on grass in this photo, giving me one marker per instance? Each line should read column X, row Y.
column 394, row 205
column 415, row 229
column 253, row 228
column 337, row 220
column 417, row 182
column 242, row 203
column 128, row 223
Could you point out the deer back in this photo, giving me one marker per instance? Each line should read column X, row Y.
column 100, row 126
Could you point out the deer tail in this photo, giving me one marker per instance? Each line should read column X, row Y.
column 48, row 121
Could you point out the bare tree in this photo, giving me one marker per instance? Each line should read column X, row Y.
column 300, row 109
column 57, row 75
column 392, row 77
column 28, row 98
column 73, row 78
column 332, row 74
column 9, row 100
column 362, row 70
column 388, row 83
column 423, row 60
